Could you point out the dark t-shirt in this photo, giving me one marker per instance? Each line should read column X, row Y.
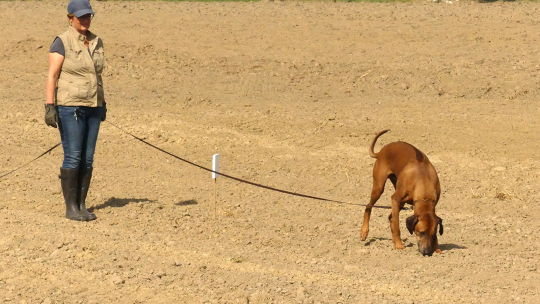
column 58, row 47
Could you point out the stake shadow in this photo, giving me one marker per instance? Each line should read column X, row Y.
column 119, row 202
column 187, row 203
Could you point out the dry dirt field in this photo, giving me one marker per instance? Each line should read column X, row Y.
column 290, row 94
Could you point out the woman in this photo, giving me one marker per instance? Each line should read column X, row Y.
column 75, row 100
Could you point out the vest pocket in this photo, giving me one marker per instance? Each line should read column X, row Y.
column 74, row 54
column 79, row 91
column 99, row 59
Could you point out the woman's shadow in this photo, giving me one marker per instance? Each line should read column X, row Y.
column 121, row 202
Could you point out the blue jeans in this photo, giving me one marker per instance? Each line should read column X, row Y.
column 79, row 128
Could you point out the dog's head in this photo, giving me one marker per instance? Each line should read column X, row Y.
column 425, row 228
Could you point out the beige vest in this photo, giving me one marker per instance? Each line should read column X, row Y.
column 80, row 82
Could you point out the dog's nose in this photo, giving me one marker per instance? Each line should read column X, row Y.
column 426, row 251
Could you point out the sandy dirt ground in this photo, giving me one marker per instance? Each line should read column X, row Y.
column 290, row 94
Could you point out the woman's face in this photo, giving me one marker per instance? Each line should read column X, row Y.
column 82, row 23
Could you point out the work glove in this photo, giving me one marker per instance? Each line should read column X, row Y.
column 104, row 111
column 51, row 118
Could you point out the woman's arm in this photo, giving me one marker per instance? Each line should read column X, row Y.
column 55, row 65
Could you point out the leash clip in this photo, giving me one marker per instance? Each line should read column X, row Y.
column 77, row 113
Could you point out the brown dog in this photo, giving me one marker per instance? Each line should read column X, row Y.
column 416, row 183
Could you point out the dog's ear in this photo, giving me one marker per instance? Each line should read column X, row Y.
column 411, row 222
column 440, row 226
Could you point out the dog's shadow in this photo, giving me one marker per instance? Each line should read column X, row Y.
column 375, row 239
column 448, row 247
column 407, row 243
column 119, row 202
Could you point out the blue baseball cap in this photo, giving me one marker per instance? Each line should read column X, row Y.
column 79, row 8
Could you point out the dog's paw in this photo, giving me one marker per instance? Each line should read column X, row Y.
column 364, row 234
column 399, row 246
column 438, row 251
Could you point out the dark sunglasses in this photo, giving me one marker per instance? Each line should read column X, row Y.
column 86, row 17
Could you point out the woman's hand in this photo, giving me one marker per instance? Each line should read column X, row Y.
column 51, row 118
column 104, row 111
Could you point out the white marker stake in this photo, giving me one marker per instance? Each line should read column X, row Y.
column 215, row 168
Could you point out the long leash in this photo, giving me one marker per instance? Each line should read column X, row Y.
column 209, row 170
column 42, row 154
column 242, row 180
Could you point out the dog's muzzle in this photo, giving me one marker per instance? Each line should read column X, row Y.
column 426, row 251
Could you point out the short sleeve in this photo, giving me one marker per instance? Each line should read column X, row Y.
column 58, row 47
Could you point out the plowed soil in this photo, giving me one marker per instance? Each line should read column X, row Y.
column 290, row 95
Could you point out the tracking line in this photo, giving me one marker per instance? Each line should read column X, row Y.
column 242, row 180
column 52, row 148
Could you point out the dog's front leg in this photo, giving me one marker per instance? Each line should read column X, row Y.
column 394, row 222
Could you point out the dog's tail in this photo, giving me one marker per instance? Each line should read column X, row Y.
column 371, row 152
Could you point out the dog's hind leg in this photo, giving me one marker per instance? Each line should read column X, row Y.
column 379, row 180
